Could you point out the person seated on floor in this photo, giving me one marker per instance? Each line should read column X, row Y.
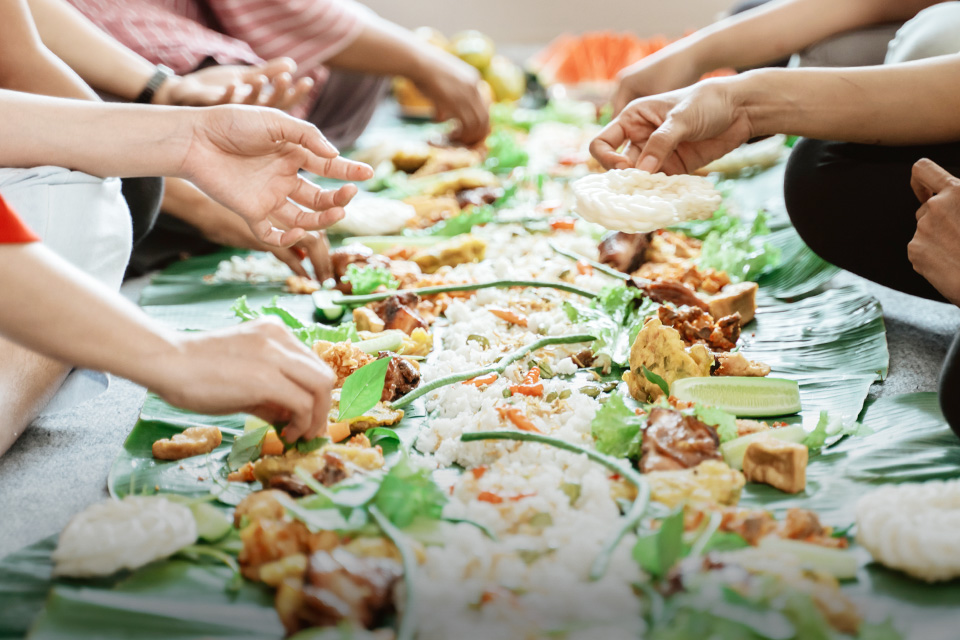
column 118, row 73
column 346, row 49
column 83, row 216
column 877, row 139
column 258, row 367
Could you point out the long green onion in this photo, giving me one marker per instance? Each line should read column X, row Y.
column 599, row 266
column 407, row 628
column 356, row 301
column 630, row 520
column 499, row 367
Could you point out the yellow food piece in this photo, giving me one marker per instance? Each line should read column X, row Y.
column 450, row 182
column 431, row 210
column 442, row 160
column 473, row 47
column 379, row 416
column 413, row 104
column 410, row 157
column 459, row 250
column 661, row 350
column 363, row 457
column 273, row 573
column 193, row 441
column 735, row 298
column 418, row 343
column 505, row 79
column 710, row 483
column 735, row 363
column 367, row 320
column 782, row 465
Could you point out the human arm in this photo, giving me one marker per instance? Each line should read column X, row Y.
column 754, row 37
column 245, row 158
column 681, row 131
column 383, row 48
column 257, row 368
column 108, row 66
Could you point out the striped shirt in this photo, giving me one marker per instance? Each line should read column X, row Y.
column 182, row 34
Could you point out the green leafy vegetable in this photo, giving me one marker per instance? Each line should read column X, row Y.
column 657, row 380
column 563, row 111
column 504, row 152
column 616, row 429
column 458, row 224
column 318, row 332
column 382, row 435
column 834, row 429
column 740, row 250
column 308, row 334
column 407, row 493
column 367, row 279
column 658, row 550
column 247, row 448
column 614, row 318
column 362, row 389
column 725, row 423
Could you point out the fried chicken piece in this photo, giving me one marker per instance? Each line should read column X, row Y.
column 399, row 312
column 460, row 250
column 342, row 357
column 302, row 286
column 367, row 320
column 402, row 378
column 625, row 252
column 736, row 364
column 193, row 441
column 478, row 197
column 696, row 326
column 441, row 159
column 673, row 441
column 751, row 525
column 675, row 292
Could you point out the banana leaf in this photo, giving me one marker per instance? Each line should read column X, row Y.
column 800, row 271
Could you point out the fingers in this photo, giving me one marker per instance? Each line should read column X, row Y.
column 256, row 85
column 313, row 197
column 274, row 236
column 339, row 169
column 923, row 210
column 661, row 145
column 306, row 135
column 296, row 94
column 318, row 251
column 604, row 146
column 929, row 178
column 292, row 259
column 282, row 84
column 273, row 68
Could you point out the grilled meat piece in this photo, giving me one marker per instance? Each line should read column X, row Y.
column 479, row 196
column 402, row 377
column 697, row 326
column 673, row 441
column 624, row 252
column 289, row 484
column 674, row 292
column 400, row 312
column 358, row 254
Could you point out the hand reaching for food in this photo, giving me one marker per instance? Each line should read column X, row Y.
column 249, row 161
column 269, row 84
column 933, row 249
column 676, row 132
column 454, row 87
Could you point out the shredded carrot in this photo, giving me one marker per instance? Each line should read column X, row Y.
column 563, row 224
column 492, row 498
column 478, row 472
column 509, row 316
column 584, row 268
column 272, row 445
column 519, row 420
column 481, row 381
column 531, row 384
column 522, row 496
column 243, row 474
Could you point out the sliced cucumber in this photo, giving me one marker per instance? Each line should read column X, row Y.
column 380, row 244
column 842, row 564
column 327, row 311
column 212, row 523
column 252, row 423
column 743, row 397
column 386, row 341
column 734, row 450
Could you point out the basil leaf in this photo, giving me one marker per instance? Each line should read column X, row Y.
column 658, row 550
column 407, row 493
column 362, row 389
column 246, row 448
column 383, row 436
column 657, row 380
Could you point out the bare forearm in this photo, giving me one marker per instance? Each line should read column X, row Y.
column 783, row 27
column 104, row 332
column 382, row 48
column 100, row 60
column 911, row 103
column 100, row 139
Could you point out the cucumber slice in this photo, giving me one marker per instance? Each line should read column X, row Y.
column 841, row 564
column 379, row 244
column 252, row 423
column 734, row 450
column 212, row 523
column 386, row 341
column 327, row 312
column 743, row 397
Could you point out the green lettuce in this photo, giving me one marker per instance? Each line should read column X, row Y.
column 407, row 494
column 308, row 334
column 616, row 429
column 367, row 278
column 740, row 249
column 725, row 423
column 504, row 152
column 614, row 317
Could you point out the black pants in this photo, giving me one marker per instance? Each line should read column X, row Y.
column 853, row 206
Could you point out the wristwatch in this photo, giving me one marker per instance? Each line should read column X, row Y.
column 161, row 75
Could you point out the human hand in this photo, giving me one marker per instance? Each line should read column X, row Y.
column 269, row 85
column 454, row 88
column 665, row 70
column 676, row 132
column 248, row 160
column 933, row 251
column 257, row 367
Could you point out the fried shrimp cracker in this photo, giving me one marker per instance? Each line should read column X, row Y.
column 194, row 441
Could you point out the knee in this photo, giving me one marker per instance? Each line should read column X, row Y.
column 806, row 193
column 935, row 31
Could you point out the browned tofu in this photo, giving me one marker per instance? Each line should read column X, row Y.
column 782, row 465
column 735, row 298
column 367, row 320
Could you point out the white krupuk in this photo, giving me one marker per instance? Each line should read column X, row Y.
column 635, row 201
column 112, row 535
column 912, row 527
column 374, row 217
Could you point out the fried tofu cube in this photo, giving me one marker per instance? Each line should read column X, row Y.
column 367, row 320
column 782, row 465
column 735, row 298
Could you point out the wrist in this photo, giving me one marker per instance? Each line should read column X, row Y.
column 164, row 355
column 755, row 94
column 164, row 94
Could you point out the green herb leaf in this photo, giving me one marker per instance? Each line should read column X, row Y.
column 740, row 250
column 246, row 448
column 241, row 309
column 725, row 423
column 504, row 152
column 383, row 436
column 658, row 550
column 614, row 317
column 458, row 224
column 362, row 389
column 407, row 493
column 308, row 446
column 657, row 380
column 725, row 541
column 367, row 279
column 616, row 428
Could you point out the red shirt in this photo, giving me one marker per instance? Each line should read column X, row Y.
column 12, row 228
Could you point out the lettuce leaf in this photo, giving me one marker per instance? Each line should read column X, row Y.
column 407, row 494
column 504, row 152
column 367, row 279
column 616, row 429
column 308, row 334
column 725, row 423
column 614, row 317
column 740, row 250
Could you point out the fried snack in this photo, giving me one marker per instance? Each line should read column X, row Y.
column 635, row 201
column 193, row 441
column 782, row 465
column 302, row 286
column 912, row 528
column 711, row 482
column 736, row 364
column 660, row 349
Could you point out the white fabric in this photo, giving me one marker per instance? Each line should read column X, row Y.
column 935, row 31
column 86, row 221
